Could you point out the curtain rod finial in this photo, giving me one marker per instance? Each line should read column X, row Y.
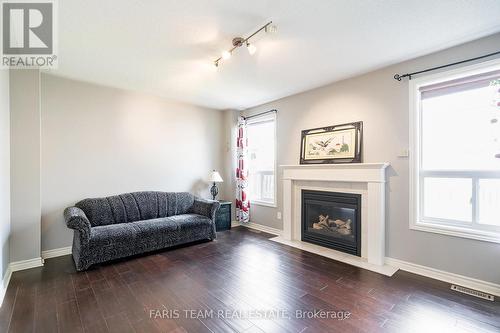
column 397, row 77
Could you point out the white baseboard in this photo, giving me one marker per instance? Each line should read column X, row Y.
column 14, row 267
column 62, row 251
column 5, row 283
column 461, row 280
column 25, row 264
column 260, row 227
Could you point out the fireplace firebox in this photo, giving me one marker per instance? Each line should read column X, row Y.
column 332, row 219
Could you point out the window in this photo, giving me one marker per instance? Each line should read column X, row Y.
column 455, row 164
column 261, row 134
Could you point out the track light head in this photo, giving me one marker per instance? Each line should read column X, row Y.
column 271, row 28
column 251, row 48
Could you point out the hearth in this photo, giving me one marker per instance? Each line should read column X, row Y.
column 332, row 219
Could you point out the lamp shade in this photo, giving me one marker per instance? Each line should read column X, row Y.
column 215, row 177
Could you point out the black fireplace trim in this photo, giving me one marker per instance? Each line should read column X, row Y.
column 339, row 245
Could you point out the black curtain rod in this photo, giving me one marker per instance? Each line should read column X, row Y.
column 409, row 75
column 260, row 114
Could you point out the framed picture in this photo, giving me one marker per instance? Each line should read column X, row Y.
column 332, row 144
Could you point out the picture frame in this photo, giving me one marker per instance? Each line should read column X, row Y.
column 332, row 144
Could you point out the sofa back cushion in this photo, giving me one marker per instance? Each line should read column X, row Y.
column 136, row 206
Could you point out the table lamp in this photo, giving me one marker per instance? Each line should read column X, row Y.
column 214, row 178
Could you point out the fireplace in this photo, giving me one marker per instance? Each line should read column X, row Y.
column 332, row 219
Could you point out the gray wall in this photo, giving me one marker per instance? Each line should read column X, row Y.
column 4, row 173
column 99, row 141
column 382, row 104
column 229, row 144
column 25, row 164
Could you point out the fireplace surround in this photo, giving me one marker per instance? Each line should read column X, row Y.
column 332, row 219
column 366, row 179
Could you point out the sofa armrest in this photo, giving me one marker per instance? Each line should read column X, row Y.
column 77, row 220
column 206, row 208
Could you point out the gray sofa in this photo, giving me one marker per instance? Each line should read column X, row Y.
column 132, row 223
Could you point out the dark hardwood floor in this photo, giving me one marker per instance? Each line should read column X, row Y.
column 232, row 284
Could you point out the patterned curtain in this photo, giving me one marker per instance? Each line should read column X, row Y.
column 242, row 203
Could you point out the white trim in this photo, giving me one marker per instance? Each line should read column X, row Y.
column 377, row 165
column 457, row 231
column 256, row 226
column 62, row 251
column 25, row 264
column 484, row 286
column 14, row 267
column 347, row 172
column 263, row 203
column 416, row 222
column 275, row 199
column 414, row 129
column 274, row 118
column 5, row 283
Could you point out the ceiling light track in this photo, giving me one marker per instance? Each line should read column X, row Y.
column 239, row 41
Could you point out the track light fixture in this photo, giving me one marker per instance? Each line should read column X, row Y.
column 239, row 41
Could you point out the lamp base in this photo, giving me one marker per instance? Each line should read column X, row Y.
column 214, row 191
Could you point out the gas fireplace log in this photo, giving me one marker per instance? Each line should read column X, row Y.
column 325, row 223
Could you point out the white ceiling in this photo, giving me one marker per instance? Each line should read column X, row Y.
column 166, row 47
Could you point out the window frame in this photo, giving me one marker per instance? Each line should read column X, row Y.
column 274, row 118
column 417, row 220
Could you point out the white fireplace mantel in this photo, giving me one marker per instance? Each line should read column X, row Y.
column 349, row 172
column 367, row 179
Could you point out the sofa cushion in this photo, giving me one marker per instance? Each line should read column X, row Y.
column 117, row 209
column 132, row 212
column 157, row 233
column 162, row 204
column 114, row 239
column 147, row 235
column 183, row 204
column 187, row 221
column 147, row 203
column 97, row 210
